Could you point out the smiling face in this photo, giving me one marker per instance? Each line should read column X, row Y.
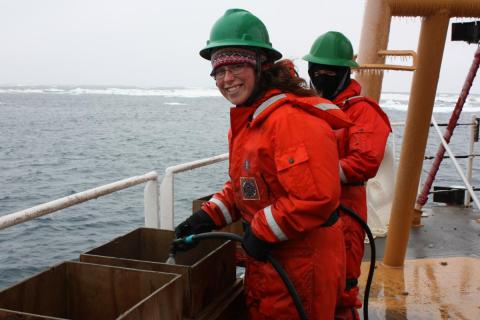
column 234, row 73
column 236, row 85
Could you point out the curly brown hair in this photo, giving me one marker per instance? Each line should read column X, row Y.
column 282, row 76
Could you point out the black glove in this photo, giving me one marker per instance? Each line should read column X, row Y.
column 255, row 247
column 199, row 222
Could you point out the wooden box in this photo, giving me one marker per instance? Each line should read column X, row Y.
column 75, row 290
column 207, row 270
column 229, row 306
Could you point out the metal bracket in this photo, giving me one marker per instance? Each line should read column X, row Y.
column 396, row 67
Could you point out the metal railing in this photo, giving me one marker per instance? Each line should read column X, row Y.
column 158, row 202
column 150, row 200
column 167, row 188
column 466, row 181
column 467, row 177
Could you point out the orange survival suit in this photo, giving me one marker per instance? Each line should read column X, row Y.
column 361, row 149
column 284, row 181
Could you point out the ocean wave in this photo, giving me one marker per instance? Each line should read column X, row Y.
column 11, row 90
column 162, row 92
column 441, row 98
column 174, row 104
column 443, row 103
column 466, row 109
column 391, row 96
column 453, row 98
column 470, row 108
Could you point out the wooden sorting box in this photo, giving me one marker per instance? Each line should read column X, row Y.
column 207, row 270
column 75, row 290
column 229, row 306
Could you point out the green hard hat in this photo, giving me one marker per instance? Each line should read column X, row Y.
column 333, row 49
column 238, row 27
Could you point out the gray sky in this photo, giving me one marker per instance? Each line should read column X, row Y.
column 156, row 43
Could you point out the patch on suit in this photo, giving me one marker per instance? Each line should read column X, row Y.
column 249, row 188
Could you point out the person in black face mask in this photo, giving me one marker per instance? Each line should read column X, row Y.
column 328, row 80
column 361, row 148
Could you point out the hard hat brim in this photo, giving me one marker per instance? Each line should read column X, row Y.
column 206, row 52
column 330, row 61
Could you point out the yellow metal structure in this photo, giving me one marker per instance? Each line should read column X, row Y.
column 396, row 67
column 436, row 15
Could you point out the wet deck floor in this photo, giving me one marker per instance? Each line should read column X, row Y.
column 441, row 276
column 441, row 288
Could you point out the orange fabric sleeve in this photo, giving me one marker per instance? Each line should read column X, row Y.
column 366, row 143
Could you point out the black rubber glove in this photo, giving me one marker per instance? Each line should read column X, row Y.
column 255, row 247
column 199, row 222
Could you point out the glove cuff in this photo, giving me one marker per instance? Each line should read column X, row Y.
column 254, row 246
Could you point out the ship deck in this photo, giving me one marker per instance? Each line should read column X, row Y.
column 441, row 275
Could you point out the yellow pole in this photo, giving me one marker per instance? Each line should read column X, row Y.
column 429, row 54
column 375, row 30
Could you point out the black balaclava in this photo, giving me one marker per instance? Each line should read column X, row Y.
column 329, row 86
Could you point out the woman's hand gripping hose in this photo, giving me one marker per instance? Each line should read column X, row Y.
column 199, row 222
column 194, row 238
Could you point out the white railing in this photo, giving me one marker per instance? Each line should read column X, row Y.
column 151, row 200
column 467, row 177
column 471, row 155
column 167, row 188
column 159, row 211
column 455, row 163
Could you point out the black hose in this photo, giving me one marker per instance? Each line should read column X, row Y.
column 365, row 227
column 276, row 265
column 290, row 287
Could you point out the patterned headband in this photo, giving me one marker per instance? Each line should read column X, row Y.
column 228, row 56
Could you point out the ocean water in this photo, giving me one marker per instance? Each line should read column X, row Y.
column 57, row 141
